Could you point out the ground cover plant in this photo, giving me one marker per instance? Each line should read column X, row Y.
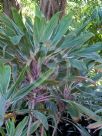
column 50, row 76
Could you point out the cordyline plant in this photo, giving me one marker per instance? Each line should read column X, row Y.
column 43, row 45
column 11, row 93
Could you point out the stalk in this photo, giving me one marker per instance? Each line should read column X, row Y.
column 55, row 129
column 31, row 107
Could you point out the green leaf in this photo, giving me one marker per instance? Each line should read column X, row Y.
column 79, row 64
column 61, row 29
column 2, row 132
column 5, row 74
column 2, row 109
column 20, row 127
column 10, row 128
column 87, row 112
column 17, row 17
column 42, row 118
column 34, row 127
column 82, row 130
column 14, row 87
column 2, row 60
column 78, row 41
column 91, row 56
column 38, row 29
column 84, row 110
column 24, row 91
column 38, row 12
column 50, row 27
column 73, row 111
column 15, row 39
column 83, row 26
column 92, row 48
column 9, row 23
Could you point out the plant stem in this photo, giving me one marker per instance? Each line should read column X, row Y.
column 55, row 129
column 42, row 131
column 29, row 125
column 31, row 106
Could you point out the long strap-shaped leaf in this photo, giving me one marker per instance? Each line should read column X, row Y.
column 5, row 73
column 71, row 42
column 13, row 89
column 24, row 91
column 2, row 109
column 82, row 109
column 20, row 127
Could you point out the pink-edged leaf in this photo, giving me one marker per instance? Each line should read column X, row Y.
column 95, row 125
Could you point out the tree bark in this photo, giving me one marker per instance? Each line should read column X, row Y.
column 7, row 4
column 50, row 7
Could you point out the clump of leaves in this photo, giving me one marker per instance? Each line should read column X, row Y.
column 46, row 46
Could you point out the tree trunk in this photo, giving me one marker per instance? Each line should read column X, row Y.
column 7, row 4
column 50, row 7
